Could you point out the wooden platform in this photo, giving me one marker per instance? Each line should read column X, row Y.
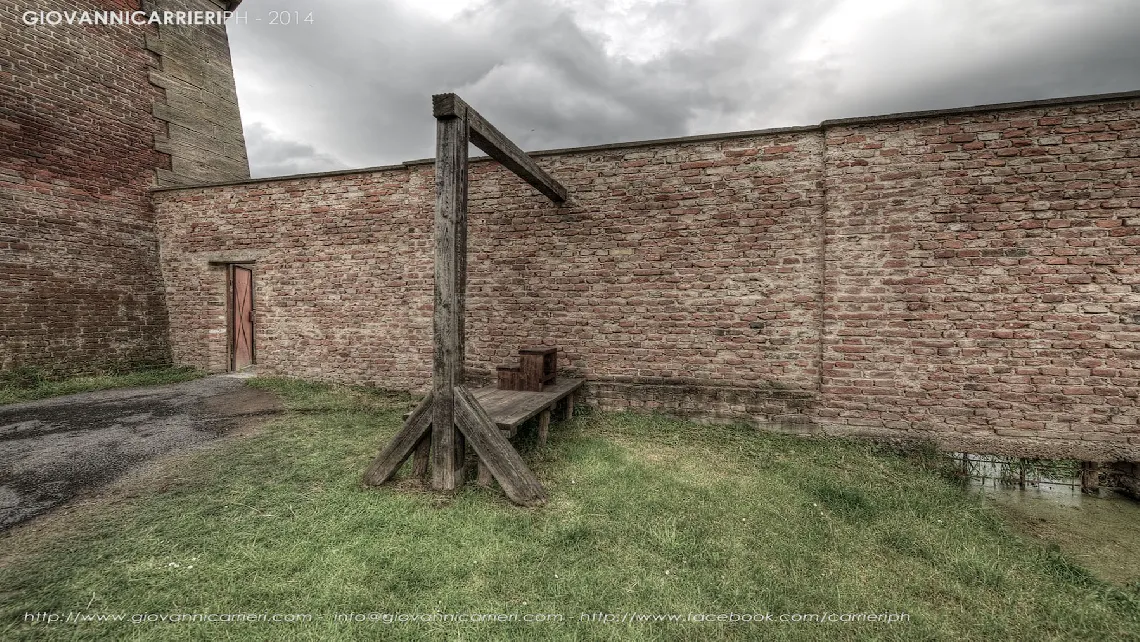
column 510, row 408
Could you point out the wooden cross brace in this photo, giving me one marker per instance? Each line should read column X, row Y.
column 450, row 416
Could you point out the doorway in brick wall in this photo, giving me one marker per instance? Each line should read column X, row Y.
column 242, row 355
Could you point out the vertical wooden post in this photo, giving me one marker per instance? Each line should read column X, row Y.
column 568, row 411
column 461, row 299
column 543, row 428
column 450, row 284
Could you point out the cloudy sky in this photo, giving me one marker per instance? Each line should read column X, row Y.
column 352, row 87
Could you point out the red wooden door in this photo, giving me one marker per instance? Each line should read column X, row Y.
column 242, row 322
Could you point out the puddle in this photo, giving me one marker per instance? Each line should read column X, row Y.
column 1058, row 481
column 1043, row 499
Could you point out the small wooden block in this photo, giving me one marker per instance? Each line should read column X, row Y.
column 531, row 373
column 510, row 378
column 539, row 367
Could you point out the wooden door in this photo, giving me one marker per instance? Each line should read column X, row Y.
column 242, row 322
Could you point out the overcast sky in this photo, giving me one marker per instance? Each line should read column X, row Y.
column 353, row 87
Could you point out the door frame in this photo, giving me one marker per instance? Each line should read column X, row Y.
column 231, row 335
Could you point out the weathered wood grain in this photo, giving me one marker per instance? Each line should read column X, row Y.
column 422, row 458
column 484, row 477
column 543, row 427
column 460, row 457
column 450, row 279
column 396, row 452
column 532, row 372
column 509, row 408
column 568, row 409
column 489, row 139
column 497, row 454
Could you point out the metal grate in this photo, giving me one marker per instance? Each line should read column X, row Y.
column 1018, row 472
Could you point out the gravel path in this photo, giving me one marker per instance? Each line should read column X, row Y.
column 51, row 450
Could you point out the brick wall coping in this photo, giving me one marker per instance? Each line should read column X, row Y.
column 835, row 122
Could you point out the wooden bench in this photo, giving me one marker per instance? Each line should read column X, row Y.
column 510, row 408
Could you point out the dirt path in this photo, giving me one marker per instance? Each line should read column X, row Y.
column 53, row 449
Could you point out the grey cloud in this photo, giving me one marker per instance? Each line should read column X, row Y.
column 357, row 82
column 272, row 155
column 1005, row 52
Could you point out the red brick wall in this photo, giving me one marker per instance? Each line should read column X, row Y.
column 983, row 278
column 972, row 274
column 342, row 279
column 677, row 264
column 79, row 281
column 701, row 275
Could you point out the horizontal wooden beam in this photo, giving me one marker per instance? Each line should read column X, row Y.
column 492, row 141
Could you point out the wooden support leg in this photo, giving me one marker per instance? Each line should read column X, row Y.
column 422, row 458
column 543, row 427
column 460, row 458
column 1090, row 477
column 569, row 409
column 518, row 482
column 484, row 477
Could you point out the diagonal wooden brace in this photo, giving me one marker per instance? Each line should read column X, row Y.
column 499, row 456
column 414, row 432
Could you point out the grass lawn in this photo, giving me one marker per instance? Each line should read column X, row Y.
column 648, row 515
column 28, row 384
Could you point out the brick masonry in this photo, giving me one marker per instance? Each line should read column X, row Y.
column 983, row 277
column 203, row 127
column 968, row 276
column 80, row 287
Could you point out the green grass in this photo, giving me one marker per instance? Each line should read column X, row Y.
column 28, row 384
column 647, row 515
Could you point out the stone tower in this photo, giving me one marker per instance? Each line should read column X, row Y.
column 92, row 116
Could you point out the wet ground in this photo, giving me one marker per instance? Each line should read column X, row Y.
column 53, row 449
column 1100, row 531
